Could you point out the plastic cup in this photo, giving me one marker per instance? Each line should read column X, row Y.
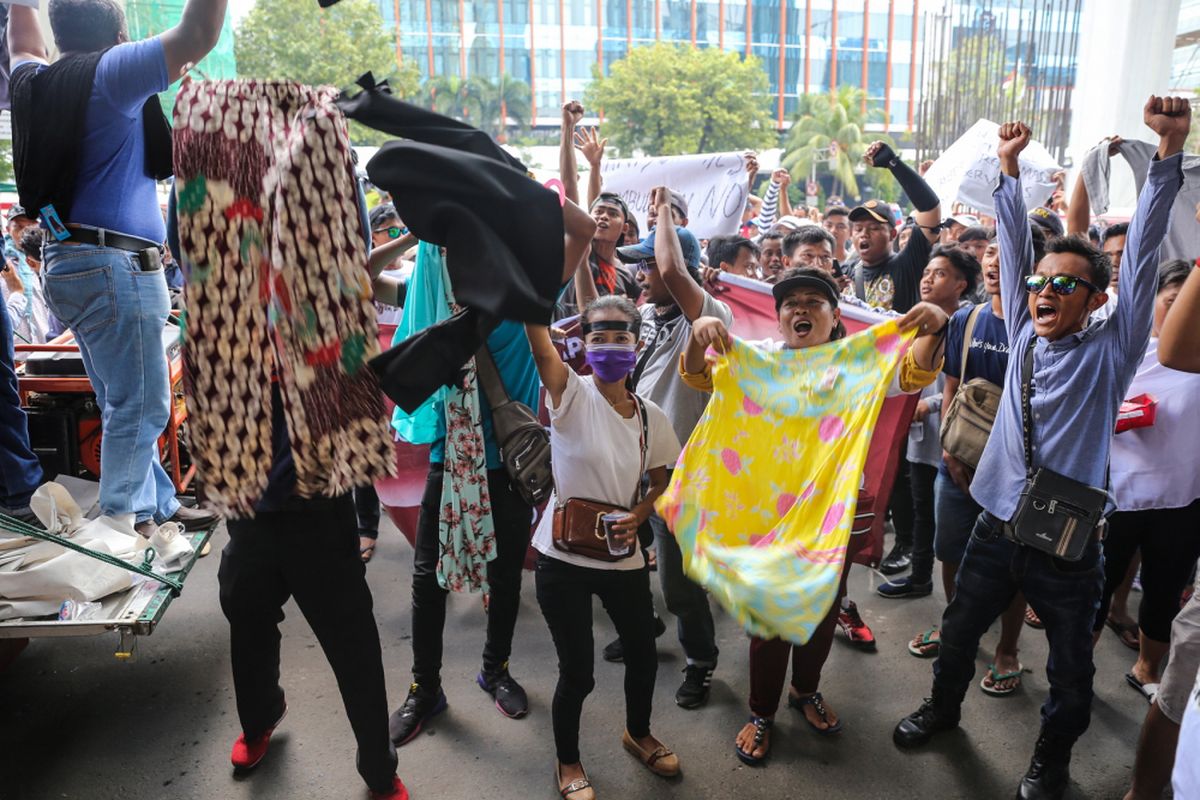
column 615, row 546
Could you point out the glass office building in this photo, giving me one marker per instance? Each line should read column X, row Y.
column 554, row 44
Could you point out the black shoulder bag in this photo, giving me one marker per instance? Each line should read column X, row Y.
column 1056, row 514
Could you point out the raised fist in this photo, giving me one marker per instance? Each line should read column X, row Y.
column 1168, row 116
column 572, row 113
column 1014, row 137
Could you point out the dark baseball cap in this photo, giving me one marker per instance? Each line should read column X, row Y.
column 1048, row 220
column 644, row 250
column 872, row 210
column 382, row 213
column 612, row 198
column 805, row 278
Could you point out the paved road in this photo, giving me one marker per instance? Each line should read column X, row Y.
column 75, row 723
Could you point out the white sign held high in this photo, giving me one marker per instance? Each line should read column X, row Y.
column 967, row 172
column 714, row 185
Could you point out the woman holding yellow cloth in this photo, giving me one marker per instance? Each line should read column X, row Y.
column 806, row 302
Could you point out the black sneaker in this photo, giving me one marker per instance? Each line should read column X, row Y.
column 904, row 587
column 511, row 700
column 896, row 561
column 921, row 725
column 615, row 652
column 419, row 707
column 696, row 682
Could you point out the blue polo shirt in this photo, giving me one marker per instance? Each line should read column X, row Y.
column 113, row 190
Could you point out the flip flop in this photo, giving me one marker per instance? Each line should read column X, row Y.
column 996, row 677
column 817, row 702
column 761, row 726
column 1032, row 619
column 1147, row 690
column 1127, row 632
column 928, row 647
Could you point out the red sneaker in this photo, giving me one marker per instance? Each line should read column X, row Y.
column 398, row 792
column 856, row 630
column 247, row 753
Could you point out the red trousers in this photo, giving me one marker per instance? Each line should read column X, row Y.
column 769, row 657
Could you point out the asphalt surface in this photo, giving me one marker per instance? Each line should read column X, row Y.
column 76, row 723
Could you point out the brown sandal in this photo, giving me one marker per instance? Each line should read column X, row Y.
column 661, row 761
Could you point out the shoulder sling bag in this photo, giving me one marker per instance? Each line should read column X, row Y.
column 967, row 423
column 1056, row 514
column 579, row 522
column 524, row 442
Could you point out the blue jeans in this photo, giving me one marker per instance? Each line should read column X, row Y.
column 686, row 599
column 20, row 471
column 955, row 512
column 1064, row 594
column 117, row 313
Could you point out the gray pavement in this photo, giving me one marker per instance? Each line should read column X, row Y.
column 76, row 723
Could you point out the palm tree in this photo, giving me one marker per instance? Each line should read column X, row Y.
column 827, row 137
column 505, row 99
column 462, row 98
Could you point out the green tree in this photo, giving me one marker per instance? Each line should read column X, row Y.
column 828, row 137
column 455, row 97
column 297, row 40
column 667, row 100
column 488, row 105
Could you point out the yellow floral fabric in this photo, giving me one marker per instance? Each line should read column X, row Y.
column 764, row 493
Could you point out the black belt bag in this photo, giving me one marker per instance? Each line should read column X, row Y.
column 1057, row 515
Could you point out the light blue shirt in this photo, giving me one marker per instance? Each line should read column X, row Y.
column 1080, row 380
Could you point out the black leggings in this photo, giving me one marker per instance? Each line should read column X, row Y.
column 511, row 516
column 1169, row 539
column 564, row 591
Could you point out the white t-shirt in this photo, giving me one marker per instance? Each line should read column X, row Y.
column 1186, row 780
column 1159, row 466
column 597, row 453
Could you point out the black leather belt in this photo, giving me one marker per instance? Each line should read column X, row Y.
column 106, row 238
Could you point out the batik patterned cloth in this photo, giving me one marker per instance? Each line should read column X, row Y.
column 271, row 235
column 764, row 493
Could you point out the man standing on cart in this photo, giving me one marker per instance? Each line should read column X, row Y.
column 90, row 140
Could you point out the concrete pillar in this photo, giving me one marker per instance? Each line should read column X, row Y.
column 1125, row 49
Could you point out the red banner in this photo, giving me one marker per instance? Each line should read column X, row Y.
column 754, row 318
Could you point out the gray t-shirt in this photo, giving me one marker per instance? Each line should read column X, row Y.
column 659, row 380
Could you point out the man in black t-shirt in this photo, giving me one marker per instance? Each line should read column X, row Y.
column 883, row 279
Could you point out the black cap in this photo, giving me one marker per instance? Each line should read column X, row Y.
column 382, row 213
column 876, row 210
column 1048, row 220
column 805, row 278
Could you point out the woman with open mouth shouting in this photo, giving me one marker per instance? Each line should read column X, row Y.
column 806, row 303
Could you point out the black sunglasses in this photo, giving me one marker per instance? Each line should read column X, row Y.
column 1061, row 284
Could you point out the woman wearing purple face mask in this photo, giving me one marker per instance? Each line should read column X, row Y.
column 603, row 439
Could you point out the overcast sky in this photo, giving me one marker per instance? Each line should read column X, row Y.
column 239, row 8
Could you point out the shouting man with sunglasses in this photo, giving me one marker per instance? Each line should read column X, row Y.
column 1063, row 386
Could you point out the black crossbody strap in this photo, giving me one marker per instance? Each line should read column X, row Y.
column 640, row 407
column 1027, row 404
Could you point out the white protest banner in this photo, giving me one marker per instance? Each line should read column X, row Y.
column 966, row 173
column 714, row 185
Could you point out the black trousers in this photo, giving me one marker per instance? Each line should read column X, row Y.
column 366, row 506
column 512, row 518
column 564, row 591
column 901, row 502
column 1169, row 539
column 309, row 552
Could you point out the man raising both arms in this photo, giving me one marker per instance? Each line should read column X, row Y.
column 104, row 278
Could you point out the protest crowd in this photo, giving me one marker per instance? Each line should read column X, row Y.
column 1046, row 366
